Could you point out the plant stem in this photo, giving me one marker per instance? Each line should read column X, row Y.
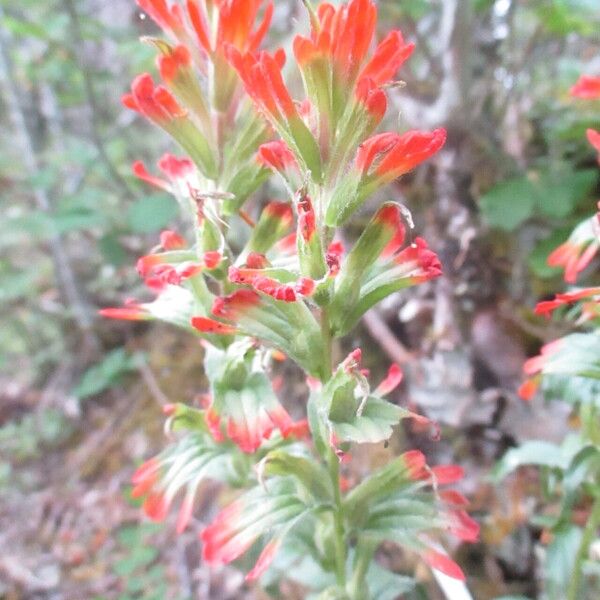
column 334, row 467
column 588, row 537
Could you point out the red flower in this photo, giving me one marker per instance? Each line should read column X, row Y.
column 158, row 10
column 586, row 87
column 343, row 35
column 387, row 156
column 372, row 99
column 548, row 306
column 443, row 563
column 133, row 312
column 447, row 474
column 307, row 224
column 593, row 137
column 154, row 102
column 206, row 325
column 178, row 171
column 415, row 463
column 577, row 252
column 391, row 382
column 418, row 262
column 261, row 74
column 236, row 305
column 169, row 240
column 277, row 156
column 389, row 56
column 534, row 367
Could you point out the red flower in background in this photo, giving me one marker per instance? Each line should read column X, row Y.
column 587, row 87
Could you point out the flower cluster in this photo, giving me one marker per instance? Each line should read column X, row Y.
column 285, row 287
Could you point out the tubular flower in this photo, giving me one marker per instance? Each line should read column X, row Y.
column 160, row 106
column 547, row 307
column 240, row 524
column 180, row 173
column 235, row 23
column 587, row 87
column 343, row 35
column 534, row 366
column 578, row 251
column 379, row 160
column 261, row 75
column 279, row 158
column 131, row 312
column 249, row 427
column 162, row 478
column 389, row 56
column 386, row 157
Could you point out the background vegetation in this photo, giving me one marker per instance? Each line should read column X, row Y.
column 80, row 398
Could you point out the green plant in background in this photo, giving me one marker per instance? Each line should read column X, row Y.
column 568, row 369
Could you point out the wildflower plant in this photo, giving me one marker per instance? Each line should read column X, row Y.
column 568, row 369
column 288, row 290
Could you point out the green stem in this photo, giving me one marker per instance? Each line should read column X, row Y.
column 588, row 537
column 334, row 467
column 365, row 549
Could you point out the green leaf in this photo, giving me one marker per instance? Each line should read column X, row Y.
column 560, row 560
column 77, row 220
column 151, row 214
column 112, row 250
column 105, row 374
column 508, row 204
column 310, row 475
column 531, row 453
column 559, row 192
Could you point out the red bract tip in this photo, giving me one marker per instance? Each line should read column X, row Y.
column 156, row 507
column 170, row 240
column 167, row 102
column 159, row 12
column 169, row 409
column 280, row 211
column 415, row 464
column 128, row 313
column 529, row 388
column 352, row 361
column 306, row 218
column 212, row 259
column 442, row 562
column 140, row 171
column 264, row 560
column 463, row 526
column 255, row 260
column 169, row 65
column 391, row 382
column 276, row 155
column 410, row 150
column 145, row 471
column 206, row 325
column 453, row 498
column 142, row 91
column 587, row 87
column 372, row 98
column 176, row 168
column 230, row 307
column 389, row 56
column 305, row 286
column 275, row 289
column 445, row 474
column 128, row 101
